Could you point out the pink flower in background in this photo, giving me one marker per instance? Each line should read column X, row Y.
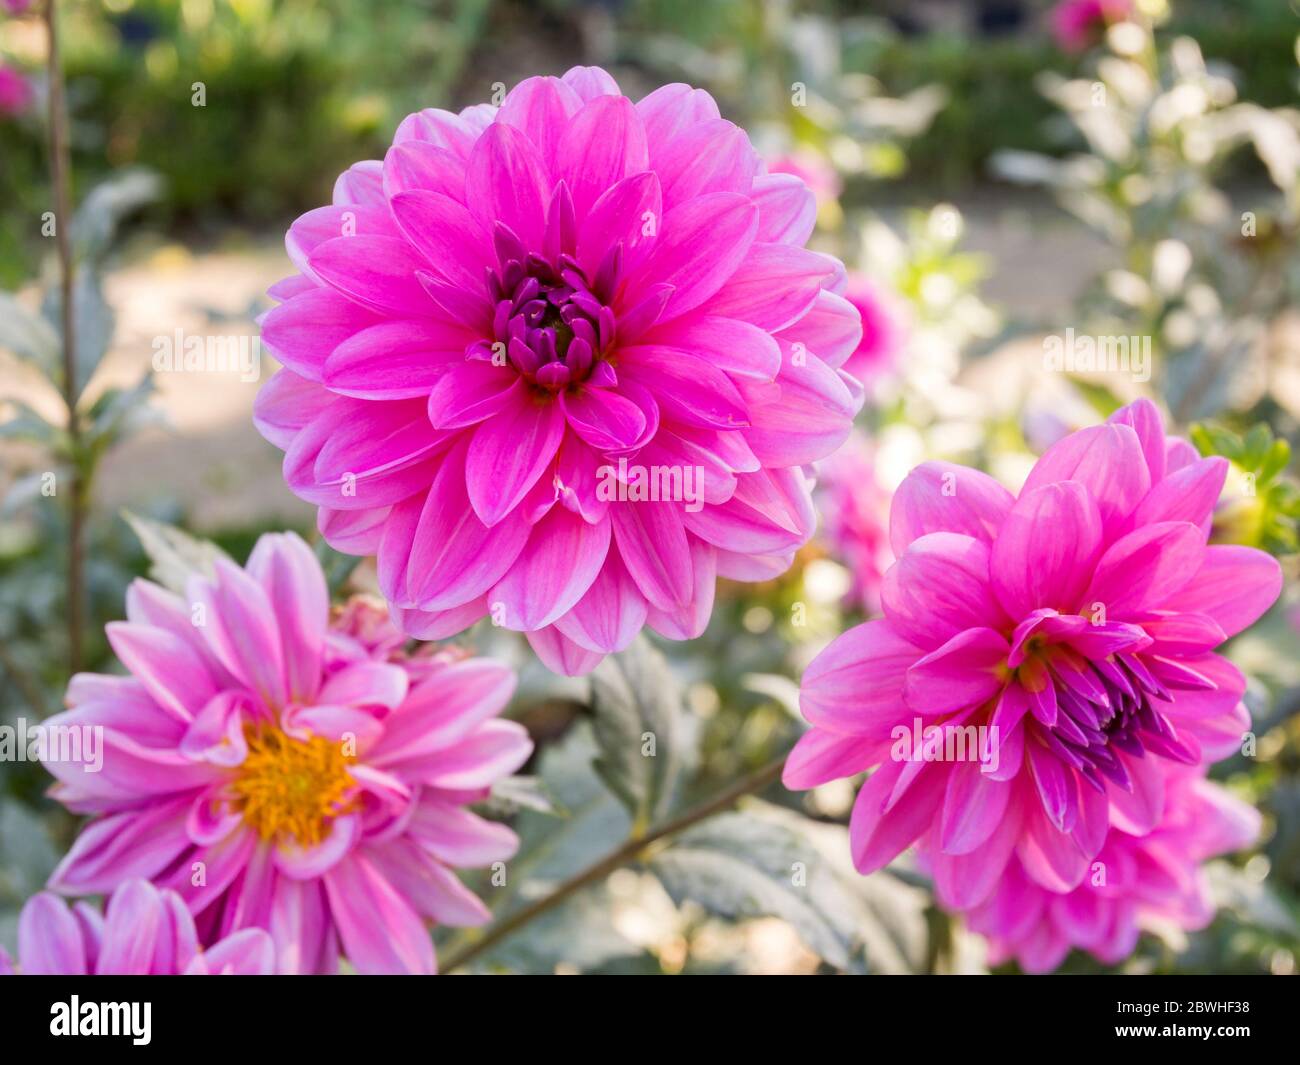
column 813, row 170
column 1077, row 23
column 856, row 513
column 1136, row 882
column 280, row 773
column 142, row 932
column 1076, row 623
column 15, row 91
column 884, row 328
column 564, row 362
column 17, row 7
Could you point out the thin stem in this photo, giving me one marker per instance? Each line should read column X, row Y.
column 60, row 181
column 627, row 852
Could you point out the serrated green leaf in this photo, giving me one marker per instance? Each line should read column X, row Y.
column 175, row 556
column 636, row 705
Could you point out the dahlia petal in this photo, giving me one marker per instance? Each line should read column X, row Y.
column 553, row 571
column 973, row 808
column 561, row 655
column 810, row 420
column 1233, row 585
column 542, row 108
column 494, row 749
column 287, row 569
column 454, row 244
column 943, row 497
column 855, row 685
column 49, row 938
column 248, row 952
column 459, row 837
column 877, row 837
column 787, row 209
column 132, row 923
column 298, row 925
column 1051, row 858
column 377, row 273
column 1138, row 811
column 440, row 128
column 454, row 557
column 440, row 624
column 285, row 404
column 1108, row 461
column 414, row 164
column 830, row 330
column 374, row 684
column 653, row 544
column 309, row 863
column 380, row 932
column 685, row 387
column 709, row 157
column 670, row 109
column 734, row 347
column 774, row 286
column 509, row 175
column 471, row 392
column 626, row 214
column 432, row 888
column 1144, row 418
column 116, row 847
column 966, row 880
column 590, row 82
column 361, row 184
column 314, row 228
column 609, row 614
column 821, row 756
column 688, row 620
column 1057, row 789
column 603, row 418
column 1188, row 494
column 939, row 587
column 1142, row 570
column 701, row 244
column 1046, row 549
column 604, row 144
column 242, row 630
column 217, row 733
column 965, row 671
column 508, row 453
column 168, row 666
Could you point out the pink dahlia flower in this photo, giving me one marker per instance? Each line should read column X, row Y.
column 1136, row 882
column 813, row 170
column 1077, row 23
column 143, row 932
column 278, row 772
column 884, row 329
column 562, row 362
column 1052, row 653
column 856, row 513
column 15, row 91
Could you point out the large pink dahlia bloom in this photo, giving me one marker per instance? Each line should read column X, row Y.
column 1135, row 882
column 278, row 771
column 563, row 362
column 1075, row 625
column 142, row 932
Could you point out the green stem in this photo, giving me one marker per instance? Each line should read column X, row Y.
column 60, row 181
column 627, row 852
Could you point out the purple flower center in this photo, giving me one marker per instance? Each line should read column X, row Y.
column 551, row 323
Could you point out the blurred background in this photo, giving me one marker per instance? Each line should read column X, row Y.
column 994, row 172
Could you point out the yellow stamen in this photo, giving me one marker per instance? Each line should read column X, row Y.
column 292, row 787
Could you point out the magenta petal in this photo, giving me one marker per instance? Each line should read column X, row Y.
column 974, row 806
column 603, row 418
column 831, row 329
column 509, row 176
column 774, row 286
column 1142, row 570
column 447, row 235
column 1233, row 585
column 855, row 685
column 1188, row 494
column 940, row 587
column 541, row 108
column 787, row 209
column 968, row 669
column 1144, row 419
column 302, row 331
column 1046, row 549
column 508, row 453
column 611, row 612
column 553, row 571
column 877, row 837
column 376, row 272
column 603, row 144
column 737, row 348
column 1108, row 461
column 470, row 392
column 562, row 655
column 133, row 921
column 653, row 544
column 943, row 497
column 287, row 569
column 821, row 756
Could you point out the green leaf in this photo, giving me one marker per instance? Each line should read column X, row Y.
column 28, row 336
column 638, row 726
column 93, row 321
column 175, row 556
column 525, row 793
column 95, row 223
column 27, row 424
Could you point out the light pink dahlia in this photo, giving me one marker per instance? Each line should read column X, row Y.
column 561, row 361
column 856, row 513
column 142, row 932
column 1135, row 883
column 1075, row 624
column 278, row 772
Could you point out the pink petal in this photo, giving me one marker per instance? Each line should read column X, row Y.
column 1108, row 461
column 553, row 571
column 1233, row 585
column 968, row 669
column 289, row 572
column 855, row 685
column 939, row 587
column 944, row 497
column 379, row 930
column 49, row 939
column 1143, row 570
column 509, row 452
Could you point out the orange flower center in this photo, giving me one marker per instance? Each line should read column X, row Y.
column 292, row 787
